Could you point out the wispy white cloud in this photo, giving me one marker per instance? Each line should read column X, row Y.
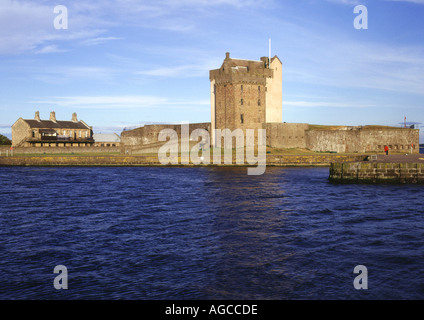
column 117, row 102
column 347, row 63
column 318, row 103
column 413, row 1
column 99, row 40
column 27, row 26
column 325, row 104
column 183, row 71
column 348, row 2
column 49, row 49
column 55, row 74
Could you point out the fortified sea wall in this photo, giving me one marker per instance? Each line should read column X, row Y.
column 145, row 139
column 342, row 139
column 363, row 139
column 295, row 135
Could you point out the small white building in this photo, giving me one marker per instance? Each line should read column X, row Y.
column 106, row 140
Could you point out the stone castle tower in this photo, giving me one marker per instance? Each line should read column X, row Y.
column 246, row 94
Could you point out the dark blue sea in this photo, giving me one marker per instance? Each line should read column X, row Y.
column 206, row 233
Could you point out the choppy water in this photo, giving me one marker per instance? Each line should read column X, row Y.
column 206, row 233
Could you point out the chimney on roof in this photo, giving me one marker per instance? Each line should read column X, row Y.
column 266, row 61
column 37, row 115
column 53, row 116
column 74, row 117
column 227, row 55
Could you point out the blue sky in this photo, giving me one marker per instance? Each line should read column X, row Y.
column 125, row 63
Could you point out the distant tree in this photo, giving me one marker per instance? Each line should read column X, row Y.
column 4, row 141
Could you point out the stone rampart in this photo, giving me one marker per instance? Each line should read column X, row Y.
column 286, row 135
column 136, row 140
column 357, row 139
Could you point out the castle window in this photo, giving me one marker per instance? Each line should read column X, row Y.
column 241, row 118
column 259, row 88
column 241, row 87
column 241, row 101
column 259, row 102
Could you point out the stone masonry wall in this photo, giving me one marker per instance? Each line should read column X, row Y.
column 373, row 172
column 147, row 136
column 363, row 140
column 286, row 135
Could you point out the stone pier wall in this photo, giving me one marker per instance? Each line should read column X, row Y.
column 145, row 160
column 374, row 172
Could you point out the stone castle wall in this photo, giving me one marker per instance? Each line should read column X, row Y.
column 239, row 105
column 145, row 139
column 363, row 140
column 245, row 94
column 294, row 135
column 286, row 135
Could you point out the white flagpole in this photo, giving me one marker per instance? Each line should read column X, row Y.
column 269, row 53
